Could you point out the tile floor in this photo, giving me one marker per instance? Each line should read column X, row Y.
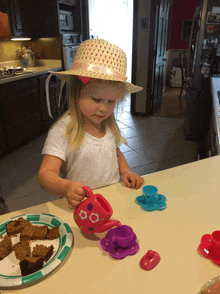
column 154, row 144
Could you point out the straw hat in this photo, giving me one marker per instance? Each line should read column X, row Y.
column 97, row 58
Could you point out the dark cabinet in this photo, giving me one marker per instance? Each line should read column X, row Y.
column 40, row 19
column 17, row 23
column 21, row 111
column 3, row 143
column 33, row 19
column 24, row 112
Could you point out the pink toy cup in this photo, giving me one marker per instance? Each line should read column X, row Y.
column 216, row 238
column 93, row 214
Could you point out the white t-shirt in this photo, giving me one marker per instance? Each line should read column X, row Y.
column 94, row 164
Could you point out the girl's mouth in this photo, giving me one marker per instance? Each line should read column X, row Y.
column 99, row 116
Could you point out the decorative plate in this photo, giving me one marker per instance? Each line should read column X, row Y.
column 10, row 274
column 209, row 284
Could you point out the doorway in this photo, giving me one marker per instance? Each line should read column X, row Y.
column 112, row 20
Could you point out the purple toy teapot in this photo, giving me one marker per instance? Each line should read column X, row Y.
column 93, row 214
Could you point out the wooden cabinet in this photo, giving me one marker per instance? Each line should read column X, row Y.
column 40, row 19
column 33, row 19
column 3, row 143
column 16, row 20
column 21, row 111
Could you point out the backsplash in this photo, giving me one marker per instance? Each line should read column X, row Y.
column 45, row 48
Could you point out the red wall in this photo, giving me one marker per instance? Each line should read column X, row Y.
column 180, row 10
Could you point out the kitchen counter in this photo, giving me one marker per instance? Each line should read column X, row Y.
column 192, row 192
column 42, row 66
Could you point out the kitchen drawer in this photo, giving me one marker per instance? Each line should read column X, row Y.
column 22, row 131
column 20, row 107
column 3, row 144
column 42, row 81
column 19, row 86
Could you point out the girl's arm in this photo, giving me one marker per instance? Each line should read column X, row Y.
column 130, row 179
column 123, row 165
column 48, row 176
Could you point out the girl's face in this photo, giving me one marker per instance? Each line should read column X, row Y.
column 97, row 101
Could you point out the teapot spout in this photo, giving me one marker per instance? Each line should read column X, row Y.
column 108, row 225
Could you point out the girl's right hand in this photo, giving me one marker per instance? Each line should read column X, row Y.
column 74, row 194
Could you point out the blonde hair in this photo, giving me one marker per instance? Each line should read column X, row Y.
column 75, row 131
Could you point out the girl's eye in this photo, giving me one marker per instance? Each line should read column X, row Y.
column 99, row 100
column 96, row 100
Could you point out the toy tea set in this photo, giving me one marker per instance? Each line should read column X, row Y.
column 93, row 214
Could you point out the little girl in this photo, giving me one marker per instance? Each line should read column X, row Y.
column 86, row 139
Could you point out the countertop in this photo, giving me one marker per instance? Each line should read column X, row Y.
column 42, row 66
column 192, row 192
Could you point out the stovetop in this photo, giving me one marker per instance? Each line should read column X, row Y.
column 11, row 71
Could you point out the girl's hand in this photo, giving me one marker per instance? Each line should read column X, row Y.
column 132, row 180
column 74, row 194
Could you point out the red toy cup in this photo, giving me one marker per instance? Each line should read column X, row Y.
column 216, row 238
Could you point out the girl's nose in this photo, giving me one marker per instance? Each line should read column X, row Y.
column 102, row 108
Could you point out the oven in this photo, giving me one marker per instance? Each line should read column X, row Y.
column 70, row 43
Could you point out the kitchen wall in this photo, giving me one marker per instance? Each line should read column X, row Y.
column 45, row 48
column 180, row 10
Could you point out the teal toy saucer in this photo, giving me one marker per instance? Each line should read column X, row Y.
column 151, row 201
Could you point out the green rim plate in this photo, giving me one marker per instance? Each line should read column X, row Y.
column 65, row 243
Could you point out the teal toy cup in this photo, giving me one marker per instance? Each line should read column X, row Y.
column 150, row 193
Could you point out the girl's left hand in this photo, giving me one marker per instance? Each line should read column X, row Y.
column 132, row 180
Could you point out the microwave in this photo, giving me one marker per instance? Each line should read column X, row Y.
column 66, row 20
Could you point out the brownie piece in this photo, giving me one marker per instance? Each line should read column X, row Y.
column 5, row 247
column 16, row 226
column 43, row 251
column 53, row 233
column 40, row 232
column 214, row 289
column 22, row 249
column 28, row 232
column 30, row 265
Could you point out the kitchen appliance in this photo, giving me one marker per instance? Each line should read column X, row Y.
column 66, row 20
column 11, row 71
column 70, row 44
column 201, row 66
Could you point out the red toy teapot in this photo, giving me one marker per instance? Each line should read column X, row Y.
column 93, row 214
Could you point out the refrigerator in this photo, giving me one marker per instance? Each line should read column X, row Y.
column 201, row 66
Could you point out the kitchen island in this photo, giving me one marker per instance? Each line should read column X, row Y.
column 192, row 192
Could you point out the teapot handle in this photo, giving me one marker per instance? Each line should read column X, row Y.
column 89, row 191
